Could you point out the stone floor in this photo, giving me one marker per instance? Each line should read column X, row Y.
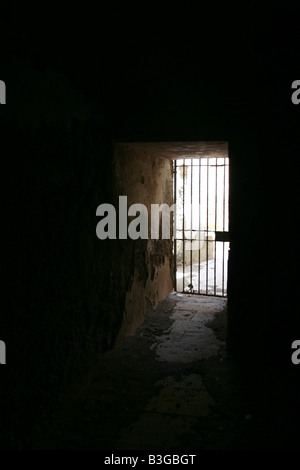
column 171, row 386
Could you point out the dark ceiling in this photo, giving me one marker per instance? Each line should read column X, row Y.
column 141, row 63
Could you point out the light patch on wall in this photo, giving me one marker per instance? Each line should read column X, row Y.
column 2, row 352
column 2, row 92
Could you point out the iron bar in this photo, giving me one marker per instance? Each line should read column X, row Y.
column 215, row 248
column 207, row 201
column 175, row 224
column 223, row 251
column 183, row 243
column 199, row 226
column 191, row 243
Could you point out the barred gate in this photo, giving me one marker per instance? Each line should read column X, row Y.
column 201, row 225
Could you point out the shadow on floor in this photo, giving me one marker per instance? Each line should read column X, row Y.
column 172, row 386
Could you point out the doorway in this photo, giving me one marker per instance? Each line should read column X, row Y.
column 201, row 224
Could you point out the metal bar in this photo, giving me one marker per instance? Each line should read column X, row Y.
column 199, row 236
column 215, row 251
column 175, row 225
column 223, row 264
column 183, row 211
column 187, row 239
column 204, row 164
column 228, row 183
column 227, row 203
column 207, row 179
column 191, row 245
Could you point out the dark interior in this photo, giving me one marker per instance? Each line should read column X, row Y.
column 80, row 82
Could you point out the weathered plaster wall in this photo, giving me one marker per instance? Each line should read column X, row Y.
column 144, row 179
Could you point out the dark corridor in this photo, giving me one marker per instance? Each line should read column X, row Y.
column 84, row 90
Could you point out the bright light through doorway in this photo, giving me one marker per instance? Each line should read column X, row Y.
column 201, row 225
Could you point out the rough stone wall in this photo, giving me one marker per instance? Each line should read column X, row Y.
column 60, row 308
column 66, row 291
column 147, row 180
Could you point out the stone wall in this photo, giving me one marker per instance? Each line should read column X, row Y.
column 68, row 296
column 144, row 179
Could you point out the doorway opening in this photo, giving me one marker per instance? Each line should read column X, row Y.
column 192, row 257
column 201, row 224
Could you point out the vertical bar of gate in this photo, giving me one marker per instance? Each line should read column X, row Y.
column 199, row 236
column 227, row 218
column 183, row 235
column 224, row 183
column 215, row 249
column 207, row 186
column 175, row 224
column 191, row 242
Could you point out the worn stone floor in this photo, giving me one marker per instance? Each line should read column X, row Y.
column 171, row 386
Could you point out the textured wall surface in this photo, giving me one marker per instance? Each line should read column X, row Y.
column 60, row 308
column 68, row 295
column 144, row 179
